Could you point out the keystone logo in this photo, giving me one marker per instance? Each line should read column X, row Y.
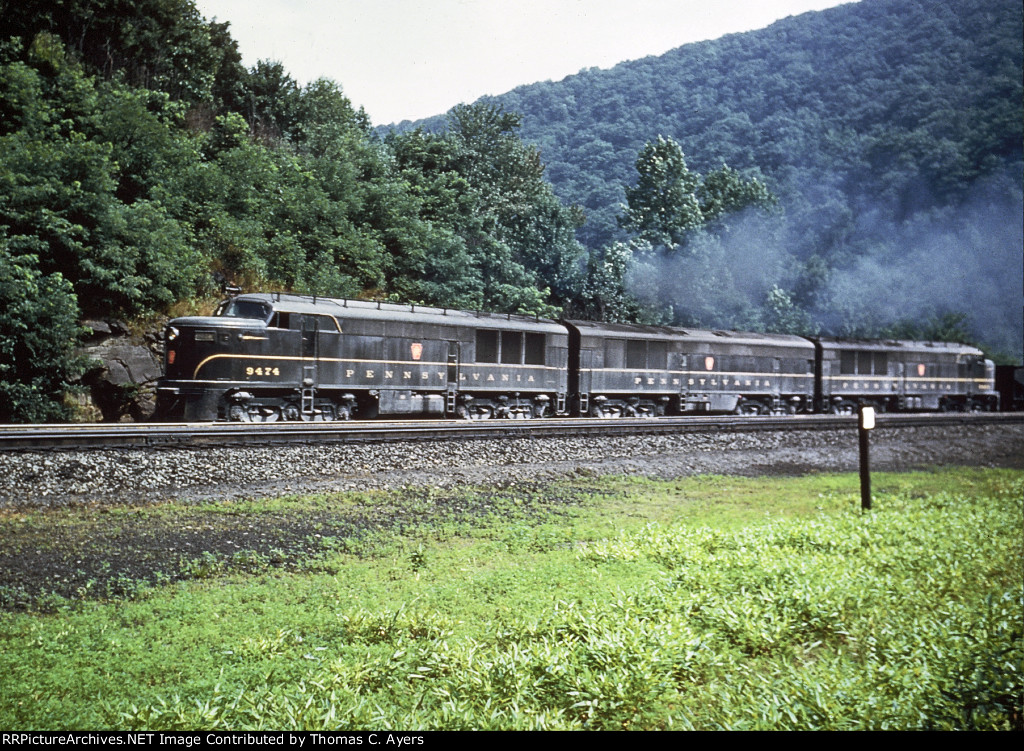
column 709, row 363
column 417, row 350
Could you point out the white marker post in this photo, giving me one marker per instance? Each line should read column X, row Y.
column 865, row 422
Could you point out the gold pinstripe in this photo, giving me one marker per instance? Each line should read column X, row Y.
column 394, row 363
column 708, row 373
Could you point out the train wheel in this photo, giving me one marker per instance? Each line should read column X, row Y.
column 844, row 408
column 480, row 412
column 748, row 409
column 238, row 413
column 264, row 414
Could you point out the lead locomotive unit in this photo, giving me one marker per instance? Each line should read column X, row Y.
column 270, row 357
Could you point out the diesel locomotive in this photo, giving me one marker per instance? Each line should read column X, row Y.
column 270, row 357
column 277, row 357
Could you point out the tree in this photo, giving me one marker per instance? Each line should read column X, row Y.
column 952, row 326
column 62, row 183
column 165, row 45
column 449, row 274
column 497, row 232
column 663, row 205
column 38, row 332
column 604, row 295
column 725, row 191
column 272, row 101
column 531, row 233
column 669, row 201
column 783, row 316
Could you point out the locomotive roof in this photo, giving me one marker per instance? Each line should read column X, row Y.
column 639, row 331
column 384, row 311
column 898, row 345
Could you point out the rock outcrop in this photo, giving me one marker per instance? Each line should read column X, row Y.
column 124, row 369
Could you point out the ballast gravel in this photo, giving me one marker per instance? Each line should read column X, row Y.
column 56, row 479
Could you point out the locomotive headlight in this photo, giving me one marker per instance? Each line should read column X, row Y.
column 172, row 333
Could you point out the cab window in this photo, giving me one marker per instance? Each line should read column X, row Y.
column 244, row 309
column 327, row 324
column 280, row 320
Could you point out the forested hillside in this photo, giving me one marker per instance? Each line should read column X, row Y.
column 890, row 131
column 852, row 171
column 142, row 165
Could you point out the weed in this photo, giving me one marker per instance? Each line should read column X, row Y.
column 578, row 607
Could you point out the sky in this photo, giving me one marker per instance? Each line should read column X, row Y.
column 410, row 59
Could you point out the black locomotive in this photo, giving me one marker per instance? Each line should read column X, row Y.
column 264, row 358
column 270, row 357
column 620, row 369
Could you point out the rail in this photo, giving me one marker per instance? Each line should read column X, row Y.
column 95, row 436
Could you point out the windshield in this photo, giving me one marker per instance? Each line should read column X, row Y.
column 244, row 309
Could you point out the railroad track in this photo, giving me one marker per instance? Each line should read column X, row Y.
column 80, row 437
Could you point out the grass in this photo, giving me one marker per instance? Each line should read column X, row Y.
column 702, row 603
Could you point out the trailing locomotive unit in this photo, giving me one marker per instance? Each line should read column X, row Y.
column 627, row 370
column 269, row 357
column 902, row 376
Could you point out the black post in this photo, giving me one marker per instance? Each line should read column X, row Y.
column 865, row 422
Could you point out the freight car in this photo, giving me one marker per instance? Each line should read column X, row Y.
column 270, row 357
column 1010, row 385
